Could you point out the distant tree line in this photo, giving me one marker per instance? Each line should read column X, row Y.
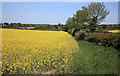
column 15, row 25
column 57, row 27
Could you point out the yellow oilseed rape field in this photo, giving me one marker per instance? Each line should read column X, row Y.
column 114, row 31
column 27, row 27
column 25, row 51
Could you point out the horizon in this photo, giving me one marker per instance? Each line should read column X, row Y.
column 57, row 24
column 49, row 12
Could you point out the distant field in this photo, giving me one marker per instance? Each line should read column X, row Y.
column 25, row 51
column 27, row 27
column 114, row 31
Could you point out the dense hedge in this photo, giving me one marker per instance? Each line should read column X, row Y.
column 104, row 39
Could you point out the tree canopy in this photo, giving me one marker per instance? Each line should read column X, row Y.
column 92, row 15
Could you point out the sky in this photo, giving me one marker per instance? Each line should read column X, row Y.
column 50, row 12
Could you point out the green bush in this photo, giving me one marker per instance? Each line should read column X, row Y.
column 81, row 36
column 65, row 28
column 92, row 29
column 72, row 31
column 102, row 31
column 92, row 40
column 116, row 42
column 107, row 42
column 104, row 39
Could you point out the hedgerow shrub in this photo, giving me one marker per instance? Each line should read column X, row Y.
column 80, row 36
column 101, row 30
column 104, row 39
column 116, row 42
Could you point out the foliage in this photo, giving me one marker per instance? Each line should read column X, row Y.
column 116, row 42
column 70, row 23
column 105, row 39
column 65, row 28
column 25, row 51
column 43, row 27
column 101, row 31
column 92, row 28
column 92, row 15
column 97, row 13
column 100, row 38
column 81, row 36
column 81, row 16
column 58, row 27
column 75, row 30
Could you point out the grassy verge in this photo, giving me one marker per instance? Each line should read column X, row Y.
column 94, row 59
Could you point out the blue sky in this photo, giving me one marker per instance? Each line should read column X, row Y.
column 49, row 12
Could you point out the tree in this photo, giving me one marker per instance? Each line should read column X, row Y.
column 65, row 28
column 55, row 26
column 5, row 23
column 69, row 24
column 104, row 26
column 19, row 24
column 69, row 21
column 92, row 15
column 81, row 16
column 59, row 24
column 12, row 25
column 96, row 13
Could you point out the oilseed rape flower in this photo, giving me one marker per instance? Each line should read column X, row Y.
column 24, row 51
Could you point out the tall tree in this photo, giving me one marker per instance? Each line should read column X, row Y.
column 69, row 22
column 92, row 15
column 96, row 13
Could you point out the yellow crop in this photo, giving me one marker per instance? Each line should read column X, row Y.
column 27, row 27
column 24, row 51
column 114, row 31
column 30, row 27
